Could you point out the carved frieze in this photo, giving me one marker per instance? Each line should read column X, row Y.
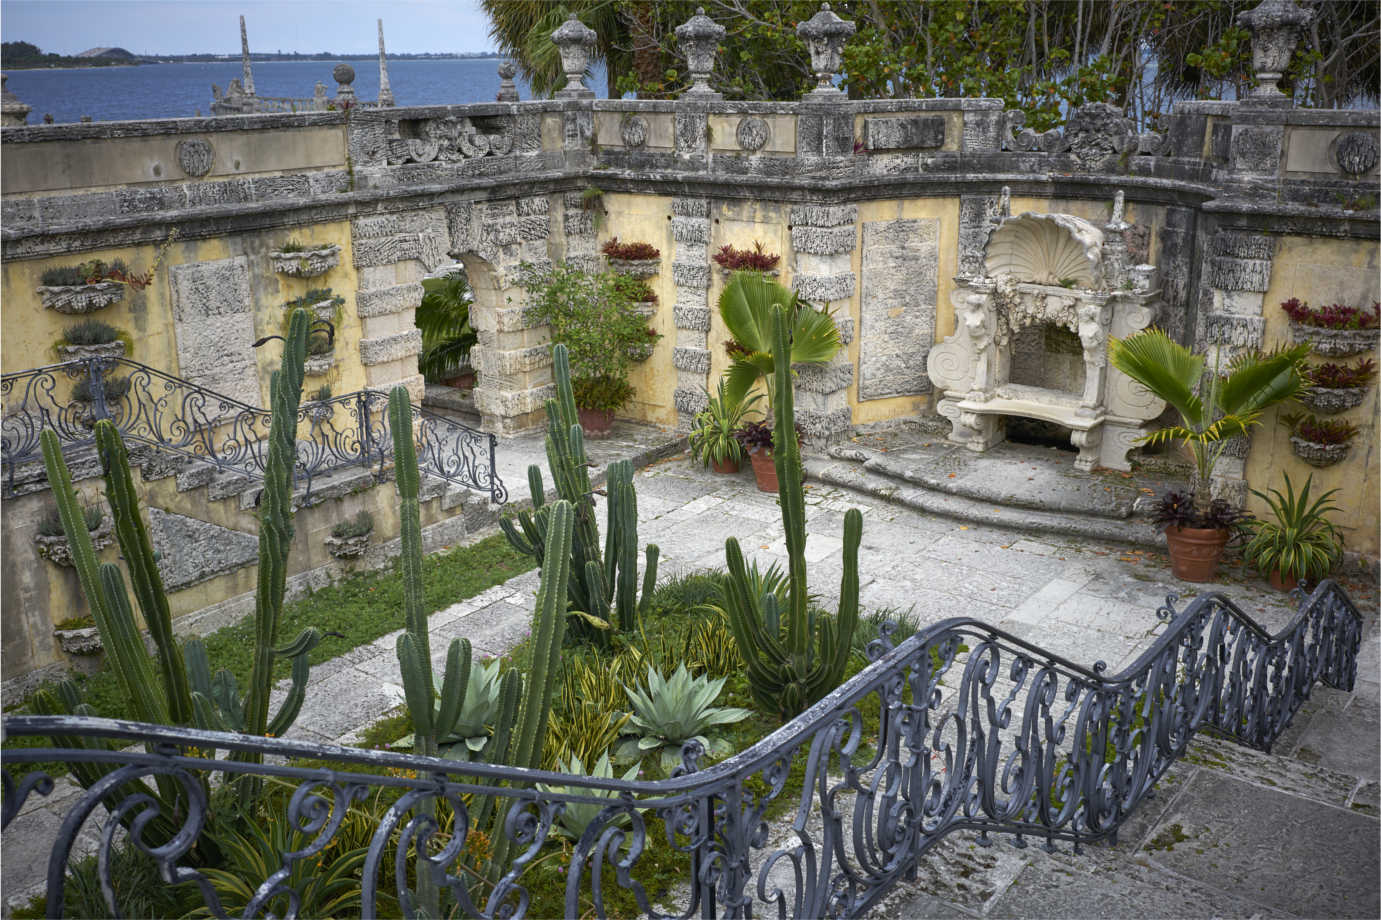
column 447, row 140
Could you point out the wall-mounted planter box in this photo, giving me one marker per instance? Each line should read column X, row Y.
column 637, row 268
column 74, row 299
column 1316, row 454
column 348, row 547
column 1336, row 343
column 84, row 641
column 1330, row 401
column 57, row 550
column 308, row 263
column 114, row 349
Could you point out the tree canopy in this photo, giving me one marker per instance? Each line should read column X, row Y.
column 1041, row 56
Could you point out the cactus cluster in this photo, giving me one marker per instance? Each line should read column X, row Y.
column 603, row 588
column 185, row 692
column 793, row 658
column 524, row 705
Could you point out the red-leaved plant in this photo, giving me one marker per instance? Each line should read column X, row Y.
column 1320, row 430
column 1333, row 316
column 1333, row 376
column 753, row 260
column 630, row 251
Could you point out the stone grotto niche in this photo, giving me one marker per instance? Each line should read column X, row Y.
column 1031, row 336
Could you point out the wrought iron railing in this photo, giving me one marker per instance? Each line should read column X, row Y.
column 961, row 727
column 170, row 414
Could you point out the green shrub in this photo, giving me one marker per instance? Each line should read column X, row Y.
column 90, row 332
column 356, row 526
column 50, row 525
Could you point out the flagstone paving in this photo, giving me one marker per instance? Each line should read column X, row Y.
column 1233, row 832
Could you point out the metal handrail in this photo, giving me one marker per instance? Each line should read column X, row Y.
column 974, row 729
column 174, row 415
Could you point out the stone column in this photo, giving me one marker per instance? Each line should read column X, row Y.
column 247, row 83
column 822, row 240
column 385, row 91
column 690, row 271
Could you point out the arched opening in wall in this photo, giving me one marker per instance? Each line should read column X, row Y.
column 448, row 333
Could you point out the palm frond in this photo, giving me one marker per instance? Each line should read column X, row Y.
column 1165, row 367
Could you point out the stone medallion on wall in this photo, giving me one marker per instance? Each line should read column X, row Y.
column 213, row 320
column 196, row 157
column 633, row 131
column 752, row 133
column 1356, row 153
column 901, row 274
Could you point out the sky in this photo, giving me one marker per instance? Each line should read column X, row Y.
column 205, row 26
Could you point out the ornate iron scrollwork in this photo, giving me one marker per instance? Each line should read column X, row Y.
column 960, row 727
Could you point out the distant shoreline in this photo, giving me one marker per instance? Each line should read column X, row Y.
column 254, row 59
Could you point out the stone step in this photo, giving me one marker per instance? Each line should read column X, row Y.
column 853, row 475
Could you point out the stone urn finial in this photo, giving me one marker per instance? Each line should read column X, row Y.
column 825, row 35
column 508, row 90
column 13, row 112
column 344, row 76
column 1275, row 26
column 574, row 40
column 699, row 38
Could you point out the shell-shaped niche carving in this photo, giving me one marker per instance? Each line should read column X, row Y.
column 1046, row 249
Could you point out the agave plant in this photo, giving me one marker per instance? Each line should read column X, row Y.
column 746, row 306
column 577, row 816
column 1300, row 542
column 478, row 712
column 668, row 712
column 1213, row 408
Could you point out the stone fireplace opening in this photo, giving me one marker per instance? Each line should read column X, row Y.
column 1031, row 337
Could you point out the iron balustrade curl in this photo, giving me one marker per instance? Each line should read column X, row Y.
column 168, row 413
column 961, row 727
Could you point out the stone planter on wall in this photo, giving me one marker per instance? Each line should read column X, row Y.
column 348, row 547
column 75, row 299
column 114, row 349
column 1335, row 343
column 319, row 365
column 85, row 640
column 1330, row 401
column 1316, row 454
column 57, row 550
column 637, row 268
column 309, row 263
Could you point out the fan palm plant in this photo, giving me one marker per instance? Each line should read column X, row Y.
column 444, row 319
column 1213, row 407
column 746, row 306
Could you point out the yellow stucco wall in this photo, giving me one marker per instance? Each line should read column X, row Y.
column 1322, row 272
column 146, row 316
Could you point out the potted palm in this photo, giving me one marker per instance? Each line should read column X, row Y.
column 1213, row 409
column 1299, row 542
column 713, row 440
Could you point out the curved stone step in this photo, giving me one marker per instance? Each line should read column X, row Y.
column 854, row 476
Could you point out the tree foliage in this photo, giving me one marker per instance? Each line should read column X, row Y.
column 1041, row 56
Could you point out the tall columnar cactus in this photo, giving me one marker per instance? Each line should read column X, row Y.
column 187, row 692
column 789, row 673
column 602, row 585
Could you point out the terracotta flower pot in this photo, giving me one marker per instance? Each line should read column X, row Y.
column 764, row 470
column 1195, row 552
column 1282, row 582
column 596, row 423
column 727, row 465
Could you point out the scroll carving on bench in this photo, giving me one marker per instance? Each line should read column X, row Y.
column 1031, row 336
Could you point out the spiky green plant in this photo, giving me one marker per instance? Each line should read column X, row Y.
column 184, row 691
column 603, row 586
column 1299, row 541
column 669, row 711
column 789, row 672
column 577, row 816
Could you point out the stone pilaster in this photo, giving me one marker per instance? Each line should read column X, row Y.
column 512, row 358
column 690, row 272
column 822, row 243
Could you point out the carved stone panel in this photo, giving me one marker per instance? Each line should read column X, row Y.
column 906, row 132
column 901, row 260
column 195, row 156
column 214, row 323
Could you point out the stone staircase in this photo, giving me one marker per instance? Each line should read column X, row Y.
column 1021, row 487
